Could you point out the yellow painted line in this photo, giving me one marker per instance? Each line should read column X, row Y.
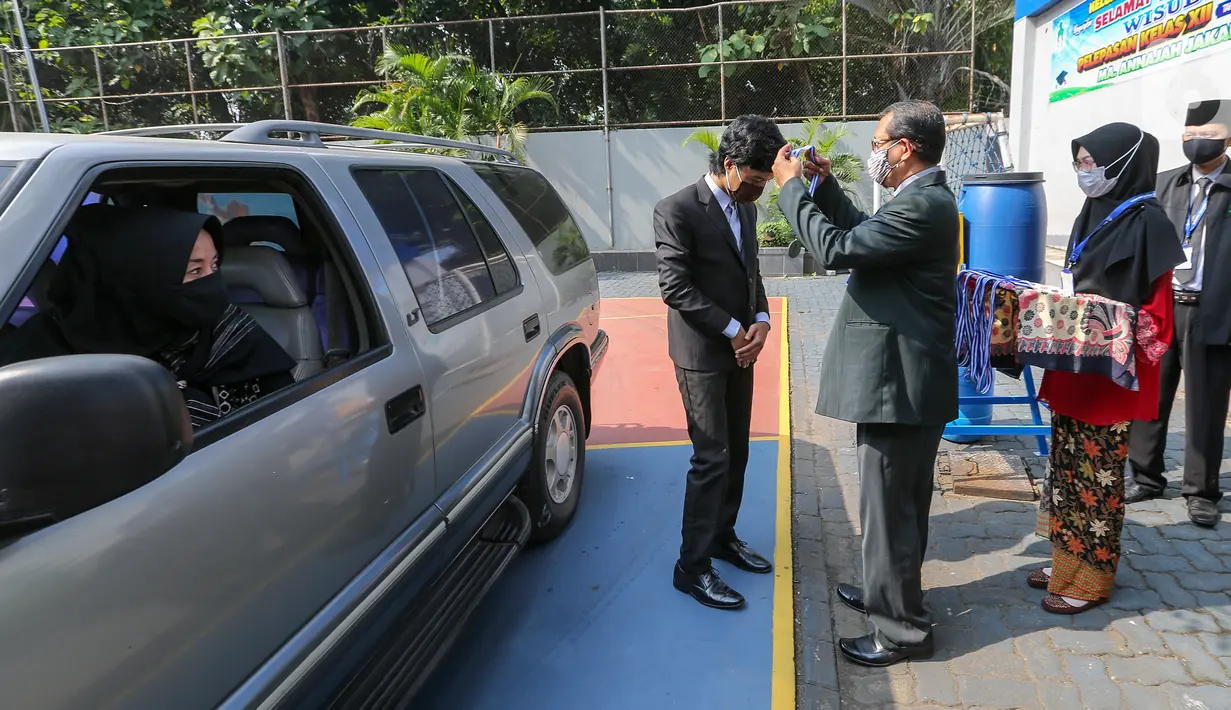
column 782, row 687
column 646, row 444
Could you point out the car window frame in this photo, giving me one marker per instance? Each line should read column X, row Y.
column 548, row 262
column 480, row 308
column 358, row 286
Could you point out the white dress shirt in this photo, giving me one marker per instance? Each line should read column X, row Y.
column 926, row 171
column 1198, row 255
column 730, row 209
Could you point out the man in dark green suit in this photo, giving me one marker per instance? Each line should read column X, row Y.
column 889, row 365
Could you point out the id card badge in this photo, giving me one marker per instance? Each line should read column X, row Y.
column 1066, row 282
column 1188, row 258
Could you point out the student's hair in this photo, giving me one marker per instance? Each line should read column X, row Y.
column 750, row 141
column 922, row 124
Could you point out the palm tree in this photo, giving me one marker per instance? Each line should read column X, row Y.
column 449, row 97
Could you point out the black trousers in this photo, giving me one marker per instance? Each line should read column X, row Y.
column 896, row 465
column 718, row 404
column 1207, row 390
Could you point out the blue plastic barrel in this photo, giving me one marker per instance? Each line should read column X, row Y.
column 1006, row 223
column 1006, row 233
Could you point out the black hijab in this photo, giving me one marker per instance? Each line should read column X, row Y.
column 119, row 289
column 1123, row 259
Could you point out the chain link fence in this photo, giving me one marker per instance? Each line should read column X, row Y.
column 694, row 66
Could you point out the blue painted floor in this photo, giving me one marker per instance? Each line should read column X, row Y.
column 591, row 621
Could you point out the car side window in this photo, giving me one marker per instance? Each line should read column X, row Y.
column 451, row 255
column 541, row 213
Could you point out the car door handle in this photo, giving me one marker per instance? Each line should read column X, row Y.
column 530, row 327
column 405, row 408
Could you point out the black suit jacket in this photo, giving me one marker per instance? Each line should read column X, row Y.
column 1212, row 325
column 890, row 356
column 705, row 281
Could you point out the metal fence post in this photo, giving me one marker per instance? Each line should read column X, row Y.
column 722, row 70
column 970, row 103
column 192, row 84
column 25, row 47
column 102, row 91
column 602, row 48
column 8, row 89
column 282, row 75
column 491, row 42
column 845, row 113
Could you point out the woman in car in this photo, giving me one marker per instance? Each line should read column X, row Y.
column 144, row 281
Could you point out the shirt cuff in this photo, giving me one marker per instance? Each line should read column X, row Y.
column 763, row 318
column 732, row 330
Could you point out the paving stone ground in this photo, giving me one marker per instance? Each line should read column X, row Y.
column 1163, row 641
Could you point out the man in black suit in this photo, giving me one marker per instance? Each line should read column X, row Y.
column 717, row 323
column 889, row 365
column 1197, row 196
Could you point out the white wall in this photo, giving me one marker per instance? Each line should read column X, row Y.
column 646, row 166
column 1156, row 101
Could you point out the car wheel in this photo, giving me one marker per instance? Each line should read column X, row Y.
column 552, row 486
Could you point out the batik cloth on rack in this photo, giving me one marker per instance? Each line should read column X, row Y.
column 1078, row 333
column 1006, row 324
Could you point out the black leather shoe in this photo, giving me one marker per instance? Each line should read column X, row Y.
column 707, row 588
column 1203, row 512
column 741, row 556
column 868, row 651
column 1135, row 493
column 852, row 596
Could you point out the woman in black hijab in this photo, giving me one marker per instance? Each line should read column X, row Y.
column 144, row 281
column 1123, row 247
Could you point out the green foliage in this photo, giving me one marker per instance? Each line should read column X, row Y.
column 794, row 30
column 775, row 232
column 448, row 96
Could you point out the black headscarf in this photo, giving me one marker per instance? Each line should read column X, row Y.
column 1123, row 260
column 119, row 289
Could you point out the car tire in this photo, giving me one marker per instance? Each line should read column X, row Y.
column 552, row 486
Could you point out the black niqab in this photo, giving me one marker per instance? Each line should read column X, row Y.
column 119, row 289
column 1123, row 259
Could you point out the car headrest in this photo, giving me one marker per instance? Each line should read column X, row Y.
column 264, row 230
column 264, row 271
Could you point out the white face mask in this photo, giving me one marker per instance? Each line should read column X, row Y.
column 878, row 164
column 1095, row 182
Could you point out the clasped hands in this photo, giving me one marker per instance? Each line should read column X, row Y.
column 748, row 344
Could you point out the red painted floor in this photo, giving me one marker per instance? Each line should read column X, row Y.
column 636, row 399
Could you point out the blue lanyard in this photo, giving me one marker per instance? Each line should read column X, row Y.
column 1192, row 220
column 1115, row 214
column 816, row 179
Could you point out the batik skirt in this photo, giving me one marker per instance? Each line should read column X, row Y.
column 1082, row 510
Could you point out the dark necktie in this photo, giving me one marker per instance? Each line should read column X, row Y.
column 1185, row 276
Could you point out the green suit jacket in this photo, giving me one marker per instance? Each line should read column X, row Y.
column 890, row 356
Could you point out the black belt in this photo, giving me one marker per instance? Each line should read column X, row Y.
column 1189, row 298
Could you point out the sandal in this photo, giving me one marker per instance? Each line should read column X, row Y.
column 1038, row 579
column 1055, row 604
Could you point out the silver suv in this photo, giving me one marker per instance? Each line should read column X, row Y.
column 321, row 546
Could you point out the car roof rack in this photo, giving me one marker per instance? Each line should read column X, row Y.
column 312, row 133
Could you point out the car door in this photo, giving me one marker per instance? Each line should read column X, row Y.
column 472, row 308
column 253, row 550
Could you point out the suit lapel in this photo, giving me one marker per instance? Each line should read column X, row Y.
column 714, row 211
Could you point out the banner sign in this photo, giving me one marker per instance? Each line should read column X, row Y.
column 1102, row 42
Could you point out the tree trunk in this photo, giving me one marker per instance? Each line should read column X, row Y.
column 311, row 106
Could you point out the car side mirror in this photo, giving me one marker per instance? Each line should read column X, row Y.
column 80, row 430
